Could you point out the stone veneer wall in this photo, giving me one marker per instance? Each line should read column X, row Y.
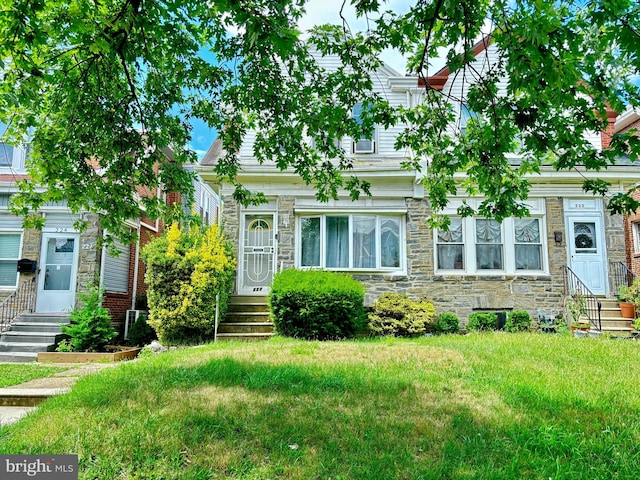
column 231, row 225
column 464, row 294
column 90, row 255
column 460, row 294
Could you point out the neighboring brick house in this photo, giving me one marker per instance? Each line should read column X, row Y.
column 66, row 260
column 384, row 240
column 629, row 121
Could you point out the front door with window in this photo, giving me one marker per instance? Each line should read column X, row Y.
column 257, row 254
column 587, row 252
column 58, row 267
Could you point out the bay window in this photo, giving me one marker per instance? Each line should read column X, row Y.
column 481, row 245
column 350, row 242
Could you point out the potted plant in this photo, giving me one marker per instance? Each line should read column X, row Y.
column 629, row 298
column 578, row 310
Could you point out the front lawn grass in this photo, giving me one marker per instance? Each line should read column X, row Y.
column 15, row 373
column 491, row 406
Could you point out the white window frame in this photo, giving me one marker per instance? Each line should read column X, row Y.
column 379, row 217
column 11, row 259
column 372, row 139
column 508, row 243
column 635, row 230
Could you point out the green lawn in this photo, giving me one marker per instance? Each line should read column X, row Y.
column 15, row 373
column 452, row 407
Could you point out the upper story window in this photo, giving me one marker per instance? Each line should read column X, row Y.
column 367, row 143
column 10, row 244
column 466, row 114
column 481, row 245
column 351, row 242
column 11, row 156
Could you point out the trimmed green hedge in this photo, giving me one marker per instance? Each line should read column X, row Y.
column 518, row 321
column 397, row 315
column 315, row 304
column 482, row 321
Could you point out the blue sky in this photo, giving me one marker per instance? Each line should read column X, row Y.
column 318, row 12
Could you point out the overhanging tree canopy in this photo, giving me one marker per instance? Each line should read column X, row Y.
column 109, row 84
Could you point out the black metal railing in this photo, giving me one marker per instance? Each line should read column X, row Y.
column 576, row 289
column 19, row 301
column 620, row 275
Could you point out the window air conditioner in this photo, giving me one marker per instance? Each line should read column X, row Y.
column 364, row 146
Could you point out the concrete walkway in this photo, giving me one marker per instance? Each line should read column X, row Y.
column 19, row 400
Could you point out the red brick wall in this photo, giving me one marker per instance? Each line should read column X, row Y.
column 633, row 259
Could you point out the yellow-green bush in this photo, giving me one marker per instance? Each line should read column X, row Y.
column 397, row 315
column 186, row 269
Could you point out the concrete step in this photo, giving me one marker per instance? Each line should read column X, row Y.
column 36, row 327
column 56, row 318
column 246, row 317
column 247, row 307
column 28, row 397
column 6, row 347
column 18, row 357
column 264, row 327
column 30, row 337
column 246, row 337
column 616, row 323
column 248, row 299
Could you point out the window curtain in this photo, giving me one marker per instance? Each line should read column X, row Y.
column 488, row 245
column 450, row 247
column 337, row 242
column 528, row 248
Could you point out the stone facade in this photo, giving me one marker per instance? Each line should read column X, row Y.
column 460, row 294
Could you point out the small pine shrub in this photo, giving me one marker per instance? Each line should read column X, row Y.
column 141, row 332
column 482, row 321
column 518, row 321
column 394, row 314
column 448, row 323
column 314, row 304
column 90, row 329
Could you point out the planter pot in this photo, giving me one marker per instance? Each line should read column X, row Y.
column 627, row 309
column 116, row 354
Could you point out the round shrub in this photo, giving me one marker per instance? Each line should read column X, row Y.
column 482, row 321
column 448, row 323
column 314, row 304
column 518, row 321
column 396, row 315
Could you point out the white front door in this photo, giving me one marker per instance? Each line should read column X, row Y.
column 257, row 254
column 587, row 252
column 58, row 268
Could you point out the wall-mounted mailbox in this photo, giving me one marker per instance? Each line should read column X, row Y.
column 26, row 266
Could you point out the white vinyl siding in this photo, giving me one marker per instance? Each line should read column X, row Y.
column 116, row 270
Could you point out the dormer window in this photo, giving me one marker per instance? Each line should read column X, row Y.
column 366, row 143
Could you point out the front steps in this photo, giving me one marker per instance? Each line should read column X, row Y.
column 30, row 334
column 247, row 319
column 612, row 321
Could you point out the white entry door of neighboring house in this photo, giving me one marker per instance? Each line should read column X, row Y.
column 58, row 268
column 587, row 252
column 257, row 254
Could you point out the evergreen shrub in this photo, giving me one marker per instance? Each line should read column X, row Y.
column 313, row 304
column 141, row 333
column 448, row 323
column 394, row 314
column 518, row 321
column 482, row 321
column 90, row 328
column 186, row 270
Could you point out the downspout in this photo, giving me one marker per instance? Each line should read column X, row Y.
column 134, row 291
